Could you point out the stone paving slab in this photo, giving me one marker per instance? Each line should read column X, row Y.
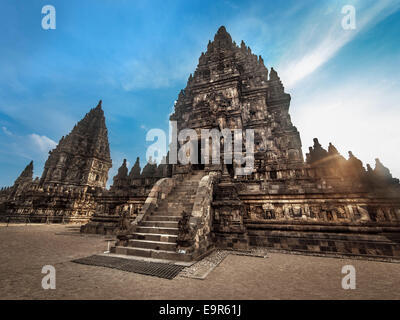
column 201, row 269
column 24, row 250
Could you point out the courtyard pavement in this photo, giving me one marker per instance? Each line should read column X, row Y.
column 24, row 250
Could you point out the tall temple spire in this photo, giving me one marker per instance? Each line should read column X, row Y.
column 135, row 171
column 121, row 178
column 83, row 156
column 26, row 175
column 150, row 168
column 230, row 88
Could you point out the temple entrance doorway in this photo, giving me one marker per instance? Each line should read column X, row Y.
column 200, row 162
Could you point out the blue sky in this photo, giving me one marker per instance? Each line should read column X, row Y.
column 137, row 55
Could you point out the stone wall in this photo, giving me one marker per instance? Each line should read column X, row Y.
column 369, row 240
column 68, row 204
column 112, row 212
column 348, row 224
column 356, row 208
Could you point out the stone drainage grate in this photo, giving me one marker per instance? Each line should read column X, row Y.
column 156, row 269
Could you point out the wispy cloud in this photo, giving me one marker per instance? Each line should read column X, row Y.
column 362, row 117
column 154, row 73
column 322, row 37
column 254, row 28
column 26, row 148
column 6, row 131
column 44, row 143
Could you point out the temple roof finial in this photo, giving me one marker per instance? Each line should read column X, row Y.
column 222, row 29
column 222, row 38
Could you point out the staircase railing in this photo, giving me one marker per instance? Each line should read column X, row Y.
column 194, row 236
column 159, row 192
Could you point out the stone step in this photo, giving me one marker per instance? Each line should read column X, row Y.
column 180, row 199
column 156, row 245
column 157, row 216
column 182, row 192
column 197, row 176
column 173, row 211
column 164, row 224
column 192, row 184
column 175, row 205
column 189, row 183
column 162, row 230
column 174, row 202
column 150, row 253
column 155, row 237
column 180, row 196
column 189, row 189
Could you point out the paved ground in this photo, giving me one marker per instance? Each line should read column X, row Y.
column 24, row 250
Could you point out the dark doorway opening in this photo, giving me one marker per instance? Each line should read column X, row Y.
column 200, row 165
column 230, row 169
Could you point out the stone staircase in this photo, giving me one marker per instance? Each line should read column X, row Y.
column 156, row 235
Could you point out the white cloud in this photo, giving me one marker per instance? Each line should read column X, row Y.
column 29, row 147
column 322, row 37
column 6, row 131
column 155, row 74
column 355, row 116
column 44, row 143
column 248, row 27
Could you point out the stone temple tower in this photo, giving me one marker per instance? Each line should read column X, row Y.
column 82, row 158
column 25, row 177
column 231, row 88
